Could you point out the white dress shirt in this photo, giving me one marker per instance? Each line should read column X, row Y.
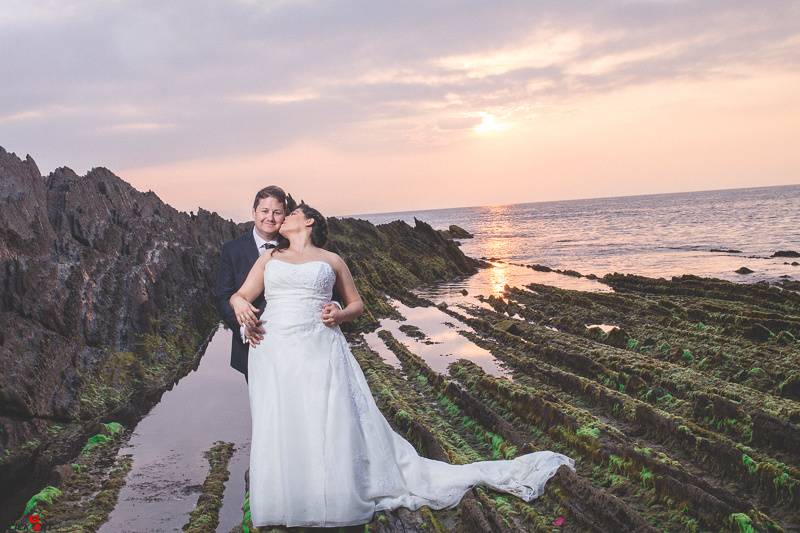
column 260, row 242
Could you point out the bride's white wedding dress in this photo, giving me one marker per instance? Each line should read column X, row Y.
column 322, row 453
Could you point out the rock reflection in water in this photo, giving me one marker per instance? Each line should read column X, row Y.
column 209, row 404
column 448, row 344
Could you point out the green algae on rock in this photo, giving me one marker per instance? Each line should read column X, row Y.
column 87, row 488
column 205, row 516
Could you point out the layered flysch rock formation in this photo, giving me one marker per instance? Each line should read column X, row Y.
column 88, row 265
column 106, row 297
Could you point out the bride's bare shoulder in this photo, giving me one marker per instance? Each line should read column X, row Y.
column 331, row 258
column 335, row 260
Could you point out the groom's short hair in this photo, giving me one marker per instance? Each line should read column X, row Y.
column 273, row 191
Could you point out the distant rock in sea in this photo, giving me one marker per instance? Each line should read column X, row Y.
column 743, row 270
column 726, row 251
column 455, row 232
column 786, row 253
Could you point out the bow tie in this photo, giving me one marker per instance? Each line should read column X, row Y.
column 268, row 245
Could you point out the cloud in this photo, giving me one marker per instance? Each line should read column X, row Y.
column 136, row 126
column 542, row 49
column 22, row 115
column 277, row 98
column 459, row 123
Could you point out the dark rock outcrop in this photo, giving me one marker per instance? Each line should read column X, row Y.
column 87, row 263
column 389, row 259
column 455, row 232
column 786, row 253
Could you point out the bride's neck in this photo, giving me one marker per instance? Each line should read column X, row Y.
column 300, row 243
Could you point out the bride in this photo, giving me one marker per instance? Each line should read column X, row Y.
column 321, row 452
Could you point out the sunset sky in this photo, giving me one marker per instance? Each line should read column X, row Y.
column 363, row 107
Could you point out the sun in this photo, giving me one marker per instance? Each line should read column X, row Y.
column 489, row 125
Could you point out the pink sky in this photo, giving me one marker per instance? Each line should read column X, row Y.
column 662, row 137
column 408, row 107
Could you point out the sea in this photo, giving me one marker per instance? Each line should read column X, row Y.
column 656, row 235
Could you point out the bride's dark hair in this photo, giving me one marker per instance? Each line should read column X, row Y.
column 319, row 229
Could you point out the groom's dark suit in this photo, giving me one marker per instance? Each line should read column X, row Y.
column 235, row 261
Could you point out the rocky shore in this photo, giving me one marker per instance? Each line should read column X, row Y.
column 679, row 398
column 104, row 304
column 107, row 302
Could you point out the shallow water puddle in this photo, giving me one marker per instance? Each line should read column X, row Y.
column 491, row 282
column 447, row 344
column 605, row 327
column 209, row 404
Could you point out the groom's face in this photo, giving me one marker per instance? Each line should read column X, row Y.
column 268, row 216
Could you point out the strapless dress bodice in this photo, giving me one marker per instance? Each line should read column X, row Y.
column 296, row 292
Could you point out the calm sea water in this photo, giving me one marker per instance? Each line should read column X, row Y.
column 659, row 235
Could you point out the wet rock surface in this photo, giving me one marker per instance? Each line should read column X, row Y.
column 695, row 385
column 786, row 253
column 456, row 232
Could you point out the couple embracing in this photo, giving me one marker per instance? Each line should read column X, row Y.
column 321, row 452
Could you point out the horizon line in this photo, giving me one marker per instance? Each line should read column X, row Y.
column 354, row 215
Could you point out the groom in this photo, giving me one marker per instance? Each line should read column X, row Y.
column 270, row 207
column 237, row 257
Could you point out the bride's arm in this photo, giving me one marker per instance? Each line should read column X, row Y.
column 346, row 287
column 243, row 310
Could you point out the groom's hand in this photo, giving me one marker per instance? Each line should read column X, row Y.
column 254, row 334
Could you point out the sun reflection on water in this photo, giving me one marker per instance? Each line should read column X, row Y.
column 499, row 247
column 498, row 278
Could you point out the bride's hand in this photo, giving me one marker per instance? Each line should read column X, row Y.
column 330, row 314
column 244, row 311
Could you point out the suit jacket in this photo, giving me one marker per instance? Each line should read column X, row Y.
column 235, row 261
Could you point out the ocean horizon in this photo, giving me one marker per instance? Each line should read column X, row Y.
column 406, row 211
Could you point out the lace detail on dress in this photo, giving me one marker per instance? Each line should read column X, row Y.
column 326, row 278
